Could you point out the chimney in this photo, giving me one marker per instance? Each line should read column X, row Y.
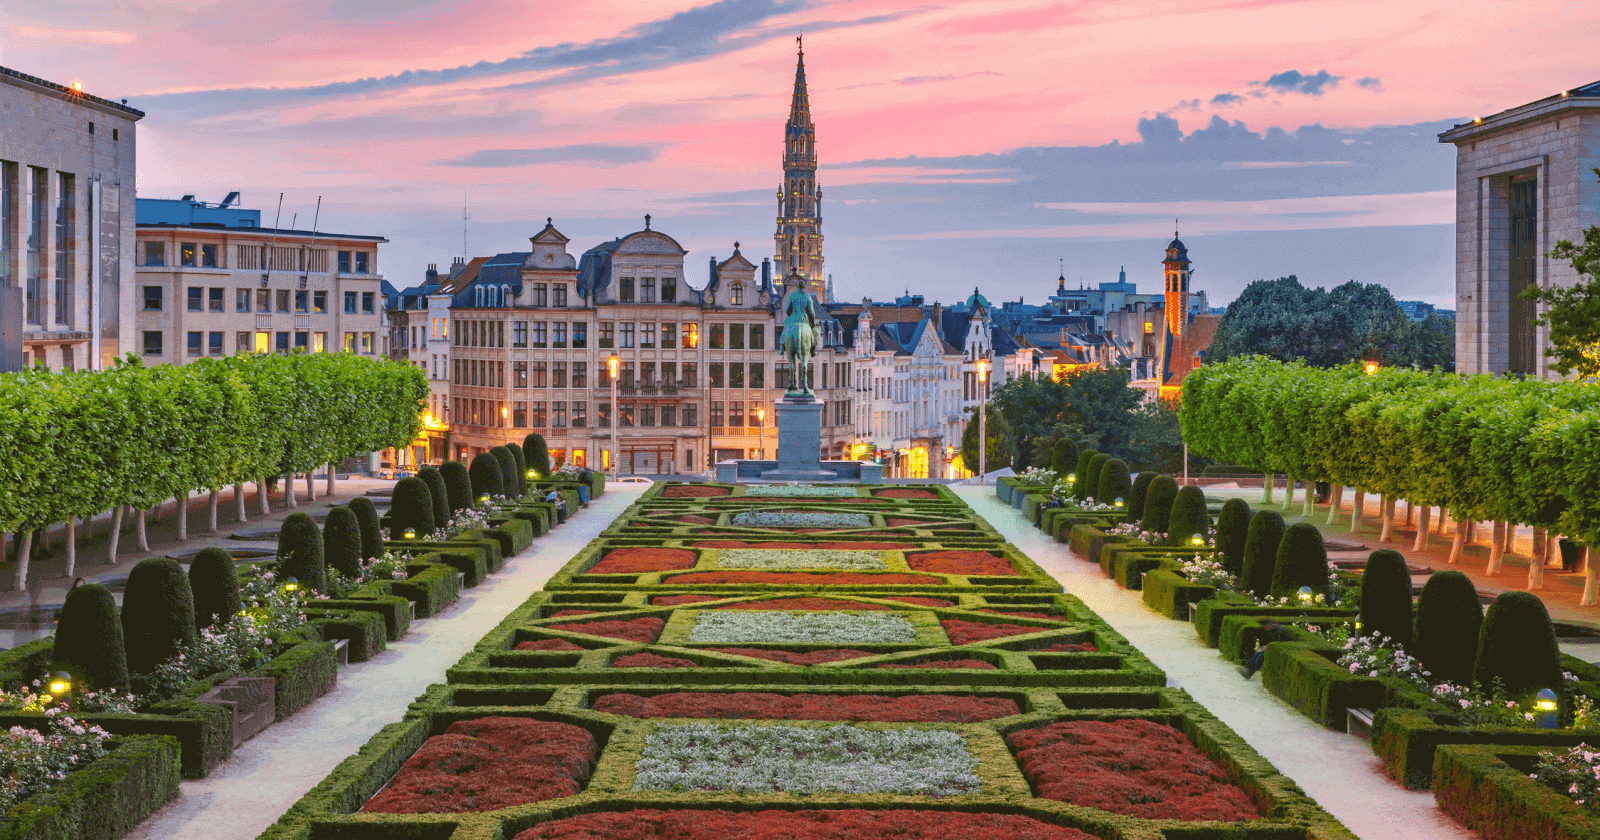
column 766, row 272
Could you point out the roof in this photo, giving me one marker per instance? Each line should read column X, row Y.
column 1584, row 97
column 67, row 93
column 463, row 279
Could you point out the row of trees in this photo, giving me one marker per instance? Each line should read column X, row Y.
column 1323, row 328
column 75, row 444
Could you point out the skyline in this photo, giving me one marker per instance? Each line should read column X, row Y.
column 1288, row 137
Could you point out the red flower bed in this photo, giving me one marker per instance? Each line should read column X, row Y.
column 852, row 824
column 489, row 763
column 1068, row 647
column 864, row 546
column 549, row 644
column 674, row 600
column 1133, row 767
column 565, row 613
column 789, row 657
column 915, row 708
column 650, row 660
column 967, row 632
column 804, row 604
column 806, row 578
column 643, row 559
column 904, row 493
column 1024, row 614
column 920, row 602
column 955, row 562
column 694, row 491
column 697, row 519
column 903, row 522
column 940, row 664
column 637, row 630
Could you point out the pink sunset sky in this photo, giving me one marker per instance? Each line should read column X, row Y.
column 962, row 144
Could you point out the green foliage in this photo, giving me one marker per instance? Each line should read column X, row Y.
column 457, row 485
column 437, row 494
column 89, row 642
column 1090, row 480
column 1140, row 492
column 998, row 446
column 1517, row 648
column 1386, row 597
column 341, row 542
column 371, row 527
column 1233, row 528
column 486, row 476
column 1449, row 620
column 214, row 581
column 1064, row 456
column 411, row 507
column 537, row 452
column 1114, row 482
column 1282, row 319
column 1261, row 552
column 1158, row 504
column 1302, row 561
column 1189, row 517
column 1084, row 485
column 510, row 478
column 1095, row 400
column 522, row 466
column 157, row 613
column 1573, row 312
column 300, row 552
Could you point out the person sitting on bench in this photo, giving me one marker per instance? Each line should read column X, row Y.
column 554, row 497
column 1271, row 631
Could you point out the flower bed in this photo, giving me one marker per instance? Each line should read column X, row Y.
column 676, row 600
column 960, row 563
column 813, row 628
column 853, row 824
column 941, row 664
column 799, row 519
column 903, row 493
column 963, row 632
column 1135, row 767
column 770, row 559
column 1023, row 614
column 864, row 546
column 644, row 559
column 920, row 602
column 914, row 708
column 789, row 657
column 1068, row 647
column 638, row 630
column 694, row 491
column 792, row 759
column 807, row 578
column 804, row 604
column 799, row 491
column 548, row 644
column 489, row 763
column 565, row 613
column 651, row 660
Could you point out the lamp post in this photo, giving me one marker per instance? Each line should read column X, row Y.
column 983, row 420
column 616, row 415
column 761, row 434
column 505, row 424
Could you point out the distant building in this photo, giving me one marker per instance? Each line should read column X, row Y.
column 1524, row 180
column 1416, row 310
column 66, row 227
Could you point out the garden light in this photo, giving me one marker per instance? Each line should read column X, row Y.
column 409, row 533
column 1305, row 594
column 533, row 474
column 1072, row 478
column 1118, row 503
column 1358, row 623
column 60, row 683
column 1197, row 540
column 1545, row 704
column 1371, row 368
column 292, row 585
column 483, row 499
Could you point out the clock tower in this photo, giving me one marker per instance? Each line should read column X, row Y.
column 799, row 234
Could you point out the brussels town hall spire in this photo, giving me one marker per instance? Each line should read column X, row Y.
column 799, row 234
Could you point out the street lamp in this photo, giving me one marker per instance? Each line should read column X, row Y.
column 505, row 412
column 761, row 439
column 616, row 415
column 983, row 420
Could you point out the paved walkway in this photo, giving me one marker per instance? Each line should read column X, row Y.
column 1339, row 771
column 271, row 771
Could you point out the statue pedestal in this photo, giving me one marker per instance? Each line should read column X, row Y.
column 799, row 441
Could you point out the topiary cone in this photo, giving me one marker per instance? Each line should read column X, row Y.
column 457, row 486
column 1090, row 481
column 300, row 552
column 1386, row 597
column 1083, row 487
column 1261, row 552
column 510, row 479
column 1302, row 561
column 485, row 475
column 537, row 453
column 1449, row 620
column 214, row 581
column 436, row 493
column 371, row 527
column 1114, row 483
column 1517, row 648
column 1233, row 527
column 1158, row 504
column 522, row 465
column 412, row 507
column 1189, row 517
column 89, row 643
column 1064, row 457
column 341, row 542
column 157, row 613
column 1141, row 491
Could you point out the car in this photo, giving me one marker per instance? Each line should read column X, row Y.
column 634, row 479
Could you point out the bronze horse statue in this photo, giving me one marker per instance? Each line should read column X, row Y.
column 799, row 341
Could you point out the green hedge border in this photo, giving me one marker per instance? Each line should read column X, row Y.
column 106, row 799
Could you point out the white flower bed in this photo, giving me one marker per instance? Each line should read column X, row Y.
column 800, row 519
column 834, row 628
column 807, row 491
column 847, row 759
column 779, row 559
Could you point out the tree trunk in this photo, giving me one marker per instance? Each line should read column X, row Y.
column 1460, row 542
column 1591, row 580
column 1438, row 527
column 311, row 486
column 1288, row 492
column 1552, row 549
column 141, row 534
column 72, row 546
column 1358, row 508
column 1334, row 499
column 1497, row 545
column 116, row 533
column 211, row 511
column 1410, row 509
column 24, row 548
column 1422, row 530
column 183, row 515
column 332, row 482
column 1510, row 539
column 1266, row 488
column 1536, row 565
column 1309, row 509
column 288, row 491
column 266, row 502
column 1387, row 506
column 238, row 502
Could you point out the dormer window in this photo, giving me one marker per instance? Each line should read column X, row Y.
column 738, row 294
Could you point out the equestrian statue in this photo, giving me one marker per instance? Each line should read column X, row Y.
column 799, row 341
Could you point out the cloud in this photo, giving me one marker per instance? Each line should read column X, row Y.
column 1226, row 99
column 77, row 36
column 1371, row 83
column 605, row 154
column 1293, row 81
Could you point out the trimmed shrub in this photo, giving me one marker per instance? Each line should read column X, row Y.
column 1084, row 485
column 457, row 486
column 1158, row 504
column 1114, row 482
column 341, row 541
column 158, row 613
column 522, row 465
column 1189, row 516
column 1233, row 527
column 89, row 639
column 436, row 493
column 412, row 507
column 214, row 582
column 1517, row 647
column 1064, row 458
column 1302, row 561
column 510, row 478
column 486, row 477
column 1449, row 619
column 1140, row 491
column 1386, row 597
column 537, row 454
column 300, row 552
column 1261, row 552
column 371, row 528
column 1090, row 481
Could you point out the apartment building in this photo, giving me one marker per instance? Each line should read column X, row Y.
column 66, row 243
column 211, row 281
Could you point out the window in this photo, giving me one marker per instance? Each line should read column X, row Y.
column 627, row 375
column 349, row 303
column 625, row 415
column 758, row 337
column 716, row 375
column 214, row 344
column 155, row 253
column 647, row 336
column 541, row 294
column 647, row 290
column 519, row 333
column 579, row 418
column 519, row 374
column 196, row 338
column 580, row 335
column 716, row 337
column 319, row 302
column 539, row 334
column 558, row 414
column 558, row 334
column 669, row 336
column 607, row 335
column 241, row 342
column 368, row 342
column 736, row 336
column 319, row 342
column 669, row 415
column 780, row 375
column 669, row 290
column 302, row 300
column 153, row 299
column 690, row 410
column 541, row 375
column 580, row 374
column 558, row 374
column 152, row 342
column 669, row 373
column 738, row 294
column 689, row 372
column 281, row 341
column 627, row 334
column 283, row 300
column 691, row 336
column 558, row 294
column 736, row 375
column 208, row 256
column 241, row 300
column 758, row 375
column 647, row 372
column 302, row 340
column 604, row 412
column 538, row 420
column 369, row 302
column 196, row 299
column 647, row 414
column 187, row 254
column 214, row 299
column 263, row 300
column 344, row 262
column 519, row 414
column 361, row 262
column 349, row 342
column 716, row 414
column 625, row 293
column 263, row 342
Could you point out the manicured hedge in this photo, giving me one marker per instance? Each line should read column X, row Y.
column 1306, row 677
column 1406, row 740
column 105, row 799
column 1486, row 788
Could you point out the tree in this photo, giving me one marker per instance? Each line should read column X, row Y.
column 999, row 443
column 1573, row 312
column 1354, row 321
column 214, row 582
column 157, row 613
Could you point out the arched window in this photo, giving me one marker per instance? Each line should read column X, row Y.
column 477, row 296
column 738, row 294
column 505, row 295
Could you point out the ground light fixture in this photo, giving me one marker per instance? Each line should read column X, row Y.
column 1358, row 623
column 1545, row 706
column 533, row 474
column 61, row 688
column 1305, row 594
column 291, row 585
column 1370, row 367
column 1197, row 540
column 483, row 499
column 1118, row 503
column 409, row 534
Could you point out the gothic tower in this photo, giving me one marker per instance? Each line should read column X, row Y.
column 1177, row 271
column 799, row 234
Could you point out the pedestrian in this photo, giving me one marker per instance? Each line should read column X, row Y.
column 1271, row 631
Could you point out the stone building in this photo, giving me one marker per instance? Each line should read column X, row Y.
column 66, row 225
column 1524, row 181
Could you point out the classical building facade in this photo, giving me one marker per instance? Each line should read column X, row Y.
column 66, row 225
column 1524, row 181
column 210, row 281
